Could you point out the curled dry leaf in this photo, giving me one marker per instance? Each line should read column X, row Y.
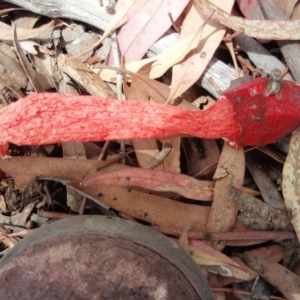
column 271, row 30
column 208, row 256
column 291, row 181
column 154, row 180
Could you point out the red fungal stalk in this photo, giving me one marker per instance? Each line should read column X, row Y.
column 243, row 116
column 52, row 118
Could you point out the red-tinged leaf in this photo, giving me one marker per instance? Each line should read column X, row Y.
column 206, row 255
column 184, row 185
column 148, row 24
column 132, row 203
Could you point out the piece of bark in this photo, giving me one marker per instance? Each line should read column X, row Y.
column 258, row 215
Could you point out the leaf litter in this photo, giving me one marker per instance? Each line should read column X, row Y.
column 39, row 132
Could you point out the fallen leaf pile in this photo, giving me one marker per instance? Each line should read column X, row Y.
column 174, row 113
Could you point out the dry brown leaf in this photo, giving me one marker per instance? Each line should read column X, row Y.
column 252, row 274
column 274, row 253
column 183, row 240
column 208, row 256
column 172, row 161
column 26, row 169
column 132, row 203
column 30, row 72
column 3, row 206
column 11, row 71
column 186, row 73
column 230, row 171
column 288, row 6
column 146, row 150
column 280, row 277
column 296, row 12
column 73, row 150
column 151, row 208
column 270, row 30
column 7, row 32
column 154, row 180
column 291, row 181
column 138, row 205
column 45, row 66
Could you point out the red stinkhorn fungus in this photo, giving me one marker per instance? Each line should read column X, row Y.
column 243, row 116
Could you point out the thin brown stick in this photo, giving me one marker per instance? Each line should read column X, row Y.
column 232, row 235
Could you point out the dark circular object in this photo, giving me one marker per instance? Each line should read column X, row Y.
column 96, row 257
